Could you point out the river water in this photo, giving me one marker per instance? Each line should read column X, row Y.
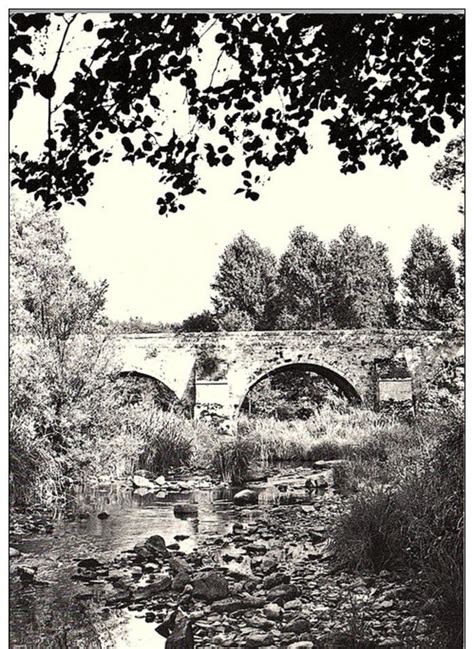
column 65, row 613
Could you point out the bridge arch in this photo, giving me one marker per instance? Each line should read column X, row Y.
column 165, row 393
column 333, row 376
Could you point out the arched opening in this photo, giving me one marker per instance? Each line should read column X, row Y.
column 138, row 388
column 297, row 391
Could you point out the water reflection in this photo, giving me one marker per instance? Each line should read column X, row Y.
column 66, row 613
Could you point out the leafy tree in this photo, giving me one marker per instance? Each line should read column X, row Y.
column 245, row 284
column 361, row 290
column 61, row 400
column 204, row 321
column 49, row 298
column 429, row 283
column 449, row 173
column 302, row 281
column 272, row 73
column 235, row 320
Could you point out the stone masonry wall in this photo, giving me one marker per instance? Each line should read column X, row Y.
column 242, row 358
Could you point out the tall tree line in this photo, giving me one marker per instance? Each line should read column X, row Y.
column 347, row 284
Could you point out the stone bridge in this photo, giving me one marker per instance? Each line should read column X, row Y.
column 214, row 371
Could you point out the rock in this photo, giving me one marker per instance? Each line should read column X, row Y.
column 182, row 636
column 258, row 639
column 308, row 509
column 273, row 611
column 103, row 515
column 181, row 537
column 141, row 492
column 161, row 583
column 13, row 552
column 173, row 546
column 89, row 563
column 161, row 480
column 231, row 604
column 185, row 509
column 27, row 573
column 143, row 552
column 143, row 473
column 156, row 545
column 180, row 581
column 136, row 571
column 142, row 483
column 210, row 586
column 178, row 564
column 246, row 497
column 268, row 565
column 150, row 567
column 303, row 644
column 328, row 464
column 257, row 548
column 283, row 592
column 275, row 579
column 298, row 625
column 292, row 605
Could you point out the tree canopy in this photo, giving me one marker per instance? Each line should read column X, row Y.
column 245, row 285
column 248, row 85
column 362, row 287
column 429, row 283
column 302, row 281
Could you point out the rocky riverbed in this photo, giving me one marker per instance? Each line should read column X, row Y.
column 264, row 577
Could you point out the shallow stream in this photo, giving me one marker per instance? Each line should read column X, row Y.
column 63, row 612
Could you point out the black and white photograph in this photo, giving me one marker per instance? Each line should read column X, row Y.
column 236, row 353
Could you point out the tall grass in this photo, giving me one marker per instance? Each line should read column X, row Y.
column 36, row 474
column 415, row 521
column 331, row 434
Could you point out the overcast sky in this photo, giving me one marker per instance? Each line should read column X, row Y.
column 161, row 268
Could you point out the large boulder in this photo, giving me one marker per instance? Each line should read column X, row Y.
column 246, row 497
column 181, row 637
column 210, row 586
column 156, row 545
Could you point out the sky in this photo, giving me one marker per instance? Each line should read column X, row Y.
column 161, row 268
